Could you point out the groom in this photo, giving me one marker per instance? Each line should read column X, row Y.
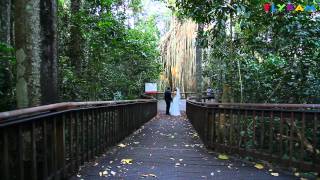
column 168, row 99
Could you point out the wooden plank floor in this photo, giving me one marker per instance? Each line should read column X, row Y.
column 168, row 148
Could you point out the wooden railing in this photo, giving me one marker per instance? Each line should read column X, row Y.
column 51, row 142
column 160, row 95
column 285, row 134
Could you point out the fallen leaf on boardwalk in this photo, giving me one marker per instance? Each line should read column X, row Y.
column 172, row 159
column 148, row 175
column 135, row 142
column 126, row 161
column 259, row 166
column 144, row 175
column 178, row 164
column 180, row 160
column 78, row 175
column 104, row 173
column 195, row 135
column 96, row 164
column 113, row 173
column 223, row 157
column 121, row 145
column 275, row 174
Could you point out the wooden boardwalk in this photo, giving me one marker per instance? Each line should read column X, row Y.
column 168, row 148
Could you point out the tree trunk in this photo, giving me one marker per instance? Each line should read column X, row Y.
column 28, row 52
column 75, row 38
column 5, row 21
column 199, row 64
column 5, row 68
column 36, row 52
column 49, row 78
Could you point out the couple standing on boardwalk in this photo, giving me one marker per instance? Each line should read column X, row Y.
column 172, row 102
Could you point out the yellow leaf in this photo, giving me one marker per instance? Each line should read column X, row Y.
column 148, row 175
column 275, row 174
column 259, row 166
column 152, row 175
column 126, row 161
column 144, row 175
column 104, row 173
column 223, row 157
column 195, row 135
column 121, row 145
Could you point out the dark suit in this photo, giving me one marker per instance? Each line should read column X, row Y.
column 168, row 99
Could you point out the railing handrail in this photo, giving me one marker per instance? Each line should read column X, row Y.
column 53, row 141
column 268, row 132
column 161, row 92
column 255, row 105
column 63, row 106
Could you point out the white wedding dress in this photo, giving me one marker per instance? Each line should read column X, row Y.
column 174, row 106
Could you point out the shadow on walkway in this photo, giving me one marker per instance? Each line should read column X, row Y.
column 168, row 148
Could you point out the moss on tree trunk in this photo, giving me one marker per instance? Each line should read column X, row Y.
column 35, row 37
column 27, row 31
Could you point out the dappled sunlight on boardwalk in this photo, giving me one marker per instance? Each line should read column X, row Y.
column 168, row 148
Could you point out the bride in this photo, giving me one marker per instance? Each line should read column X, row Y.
column 174, row 107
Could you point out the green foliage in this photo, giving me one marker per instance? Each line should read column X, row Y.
column 117, row 59
column 275, row 57
column 7, row 77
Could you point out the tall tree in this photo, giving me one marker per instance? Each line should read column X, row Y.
column 48, row 80
column 28, row 52
column 75, row 38
column 5, row 20
column 35, row 39
column 5, row 54
column 199, row 63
